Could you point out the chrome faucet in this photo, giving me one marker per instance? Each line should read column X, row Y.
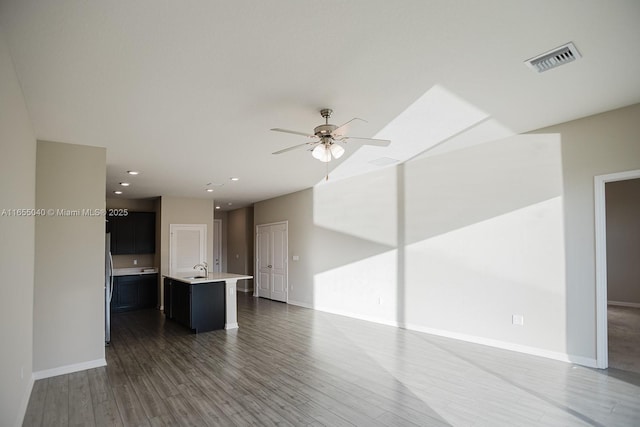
column 203, row 265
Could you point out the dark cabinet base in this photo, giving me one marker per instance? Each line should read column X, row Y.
column 199, row 307
column 134, row 292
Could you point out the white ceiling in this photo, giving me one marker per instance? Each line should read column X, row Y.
column 186, row 92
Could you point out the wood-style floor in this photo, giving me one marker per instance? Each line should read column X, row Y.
column 624, row 338
column 288, row 365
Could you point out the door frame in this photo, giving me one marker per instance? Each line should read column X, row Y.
column 202, row 228
column 600, row 202
column 257, row 260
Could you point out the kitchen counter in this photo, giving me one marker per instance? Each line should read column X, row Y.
column 230, row 300
column 211, row 277
column 134, row 271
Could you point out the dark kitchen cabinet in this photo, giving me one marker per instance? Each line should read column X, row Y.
column 134, row 233
column 181, row 303
column 168, row 283
column 148, row 291
column 200, row 307
column 145, row 232
column 134, row 292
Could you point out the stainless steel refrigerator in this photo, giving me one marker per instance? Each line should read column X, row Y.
column 108, row 288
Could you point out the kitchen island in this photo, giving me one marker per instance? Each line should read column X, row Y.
column 202, row 303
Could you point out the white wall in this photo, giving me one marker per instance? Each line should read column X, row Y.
column 623, row 241
column 456, row 244
column 17, row 245
column 68, row 327
column 485, row 241
column 332, row 263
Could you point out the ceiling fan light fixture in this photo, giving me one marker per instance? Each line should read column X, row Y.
column 336, row 150
column 322, row 153
column 328, row 136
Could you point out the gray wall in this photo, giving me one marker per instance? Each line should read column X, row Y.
column 224, row 218
column 240, row 245
column 458, row 243
column 597, row 145
column 68, row 325
column 623, row 241
column 17, row 245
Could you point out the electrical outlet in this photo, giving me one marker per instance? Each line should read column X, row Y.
column 517, row 319
column 135, row 262
column 380, row 301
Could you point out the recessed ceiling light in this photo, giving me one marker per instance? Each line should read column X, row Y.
column 229, row 203
column 233, row 178
column 125, row 184
column 133, row 172
column 209, row 190
column 217, row 207
column 117, row 192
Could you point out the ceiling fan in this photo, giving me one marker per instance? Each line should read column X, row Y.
column 326, row 146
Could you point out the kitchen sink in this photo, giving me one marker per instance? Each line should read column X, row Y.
column 195, row 277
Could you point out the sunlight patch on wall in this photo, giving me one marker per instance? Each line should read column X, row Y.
column 485, row 131
column 463, row 187
column 473, row 279
column 364, row 289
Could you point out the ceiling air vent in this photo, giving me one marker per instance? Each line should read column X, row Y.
column 384, row 161
column 554, row 58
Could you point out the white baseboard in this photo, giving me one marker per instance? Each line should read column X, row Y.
column 624, row 304
column 359, row 316
column 22, row 410
column 231, row 326
column 300, row 304
column 67, row 369
column 534, row 351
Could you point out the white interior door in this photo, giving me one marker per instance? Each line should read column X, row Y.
column 272, row 244
column 217, row 246
column 264, row 270
column 187, row 247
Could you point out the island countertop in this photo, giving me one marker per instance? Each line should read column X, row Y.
column 194, row 278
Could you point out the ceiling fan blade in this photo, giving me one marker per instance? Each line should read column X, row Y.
column 336, row 130
column 295, row 132
column 295, row 147
column 368, row 141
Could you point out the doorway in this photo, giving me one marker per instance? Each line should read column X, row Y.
column 271, row 261
column 602, row 276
